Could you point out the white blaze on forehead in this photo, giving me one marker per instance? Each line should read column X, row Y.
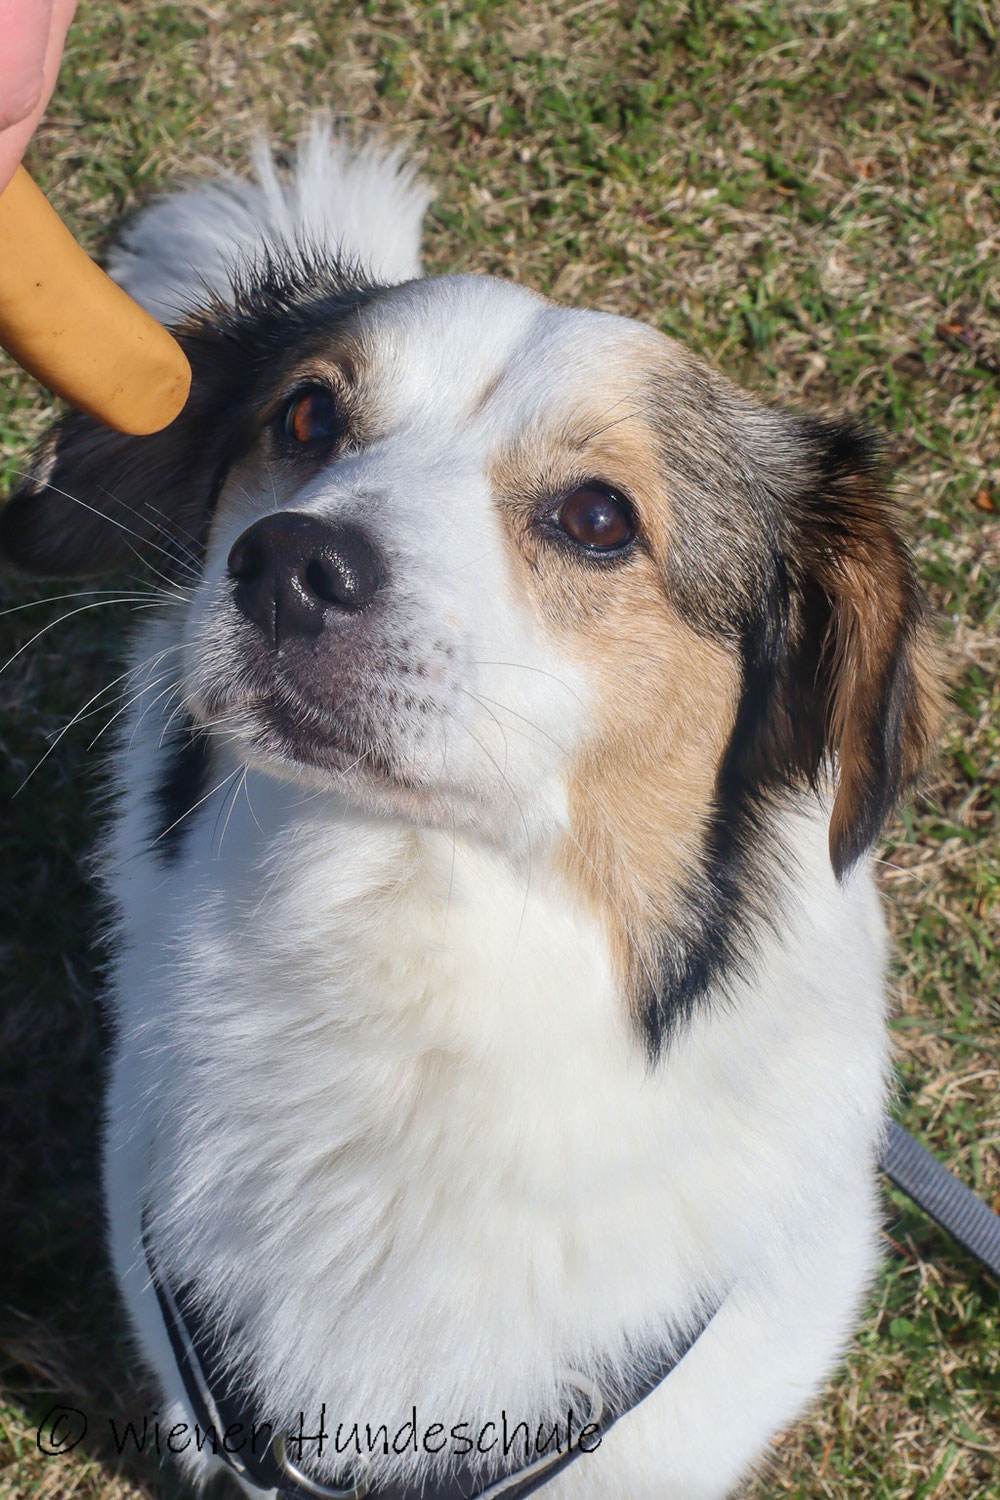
column 430, row 346
column 440, row 351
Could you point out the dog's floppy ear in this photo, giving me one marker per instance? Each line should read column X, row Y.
column 856, row 681
column 95, row 498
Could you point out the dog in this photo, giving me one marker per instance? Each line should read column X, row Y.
column 499, row 978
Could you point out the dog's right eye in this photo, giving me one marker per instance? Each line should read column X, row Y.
column 310, row 419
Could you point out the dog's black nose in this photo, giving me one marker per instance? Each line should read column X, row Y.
column 293, row 570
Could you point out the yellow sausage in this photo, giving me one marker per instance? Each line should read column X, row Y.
column 70, row 326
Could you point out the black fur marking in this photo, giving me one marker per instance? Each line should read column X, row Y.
column 735, row 893
column 184, row 782
column 100, row 495
column 804, row 512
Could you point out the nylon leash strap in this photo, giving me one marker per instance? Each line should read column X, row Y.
column 942, row 1195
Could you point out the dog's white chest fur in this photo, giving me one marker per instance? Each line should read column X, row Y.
column 397, row 1126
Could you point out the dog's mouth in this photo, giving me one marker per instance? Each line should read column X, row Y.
column 279, row 725
column 378, row 717
column 329, row 742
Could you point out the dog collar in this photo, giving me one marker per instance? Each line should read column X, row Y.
column 218, row 1407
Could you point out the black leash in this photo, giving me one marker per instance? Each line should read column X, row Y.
column 942, row 1195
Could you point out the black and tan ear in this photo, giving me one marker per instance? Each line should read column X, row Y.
column 864, row 690
column 95, row 499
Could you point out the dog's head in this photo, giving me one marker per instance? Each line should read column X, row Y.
column 469, row 557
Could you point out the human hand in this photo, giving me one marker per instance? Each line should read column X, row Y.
column 32, row 37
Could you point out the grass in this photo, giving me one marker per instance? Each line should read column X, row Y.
column 809, row 195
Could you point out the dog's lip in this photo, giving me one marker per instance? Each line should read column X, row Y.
column 309, row 733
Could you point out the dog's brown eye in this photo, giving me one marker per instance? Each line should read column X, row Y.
column 596, row 517
column 310, row 418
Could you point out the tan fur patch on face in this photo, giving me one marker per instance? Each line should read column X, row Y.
column 641, row 788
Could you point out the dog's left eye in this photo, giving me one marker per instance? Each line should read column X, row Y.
column 596, row 517
column 310, row 418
